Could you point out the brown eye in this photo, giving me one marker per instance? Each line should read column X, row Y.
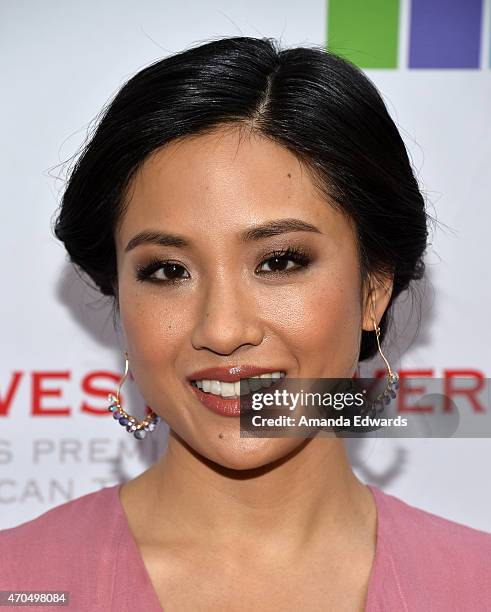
column 278, row 262
column 169, row 271
column 159, row 271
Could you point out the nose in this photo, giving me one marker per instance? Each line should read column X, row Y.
column 227, row 318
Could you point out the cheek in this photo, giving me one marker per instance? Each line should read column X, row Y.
column 323, row 325
column 153, row 327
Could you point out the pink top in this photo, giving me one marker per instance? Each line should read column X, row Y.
column 85, row 546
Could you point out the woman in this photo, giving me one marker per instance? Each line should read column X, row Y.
column 253, row 213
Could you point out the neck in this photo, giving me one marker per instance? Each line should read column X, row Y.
column 283, row 506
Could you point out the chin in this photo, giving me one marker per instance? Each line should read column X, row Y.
column 238, row 453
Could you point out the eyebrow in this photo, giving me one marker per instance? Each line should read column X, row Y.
column 257, row 232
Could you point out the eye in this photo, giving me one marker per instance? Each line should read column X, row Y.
column 285, row 261
column 278, row 262
column 161, row 271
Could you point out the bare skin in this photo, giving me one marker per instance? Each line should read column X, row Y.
column 224, row 522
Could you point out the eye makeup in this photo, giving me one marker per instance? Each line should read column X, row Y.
column 278, row 257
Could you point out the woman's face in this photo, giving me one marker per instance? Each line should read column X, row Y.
column 222, row 300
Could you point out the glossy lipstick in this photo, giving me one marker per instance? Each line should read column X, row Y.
column 231, row 373
column 222, row 405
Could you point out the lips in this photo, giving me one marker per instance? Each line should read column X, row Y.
column 220, row 405
column 224, row 406
column 232, row 373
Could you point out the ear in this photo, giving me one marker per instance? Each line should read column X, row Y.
column 376, row 297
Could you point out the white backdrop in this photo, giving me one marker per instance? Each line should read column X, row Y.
column 60, row 62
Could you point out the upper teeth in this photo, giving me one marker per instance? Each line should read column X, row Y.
column 233, row 389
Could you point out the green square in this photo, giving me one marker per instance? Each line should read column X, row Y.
column 366, row 32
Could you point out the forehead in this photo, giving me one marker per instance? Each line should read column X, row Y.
column 220, row 183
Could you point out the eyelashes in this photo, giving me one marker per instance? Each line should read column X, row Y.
column 274, row 259
column 300, row 257
column 145, row 272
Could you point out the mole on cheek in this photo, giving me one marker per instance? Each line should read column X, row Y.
column 220, row 435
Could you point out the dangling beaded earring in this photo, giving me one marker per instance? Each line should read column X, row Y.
column 133, row 425
column 377, row 405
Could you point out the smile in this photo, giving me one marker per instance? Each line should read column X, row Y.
column 244, row 386
column 227, row 390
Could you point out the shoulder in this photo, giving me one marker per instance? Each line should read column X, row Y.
column 449, row 559
column 63, row 541
column 415, row 525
